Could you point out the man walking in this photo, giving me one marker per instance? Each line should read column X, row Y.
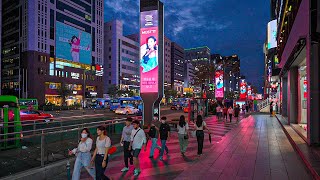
column 138, row 139
column 164, row 136
column 125, row 142
column 153, row 135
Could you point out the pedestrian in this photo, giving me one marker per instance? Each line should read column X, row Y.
column 247, row 108
column 218, row 110
column 230, row 112
column 153, row 135
column 100, row 155
column 164, row 136
column 271, row 108
column 225, row 113
column 237, row 112
column 277, row 108
column 183, row 136
column 138, row 139
column 200, row 126
column 83, row 155
column 243, row 109
column 125, row 142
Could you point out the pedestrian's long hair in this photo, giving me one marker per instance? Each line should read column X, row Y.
column 182, row 121
column 199, row 121
column 88, row 132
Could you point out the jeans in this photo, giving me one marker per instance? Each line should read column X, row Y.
column 154, row 146
column 163, row 147
column 225, row 116
column 82, row 160
column 183, row 143
column 126, row 153
column 200, row 138
column 99, row 169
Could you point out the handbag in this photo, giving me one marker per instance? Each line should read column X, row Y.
column 186, row 136
column 112, row 150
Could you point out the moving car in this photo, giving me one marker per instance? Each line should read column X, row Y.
column 176, row 107
column 35, row 115
column 127, row 110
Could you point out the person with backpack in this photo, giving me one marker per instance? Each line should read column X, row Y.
column 200, row 126
column 83, row 155
column 125, row 142
column 138, row 140
column 164, row 136
column 153, row 135
column 100, row 155
column 230, row 112
column 183, row 136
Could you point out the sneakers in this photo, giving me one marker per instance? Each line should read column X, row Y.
column 136, row 172
column 125, row 169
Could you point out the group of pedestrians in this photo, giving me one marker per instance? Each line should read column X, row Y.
column 224, row 112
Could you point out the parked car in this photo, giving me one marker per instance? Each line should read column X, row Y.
column 127, row 110
column 35, row 115
column 176, row 107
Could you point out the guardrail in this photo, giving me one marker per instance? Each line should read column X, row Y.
column 46, row 145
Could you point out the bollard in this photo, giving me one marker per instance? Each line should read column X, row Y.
column 68, row 170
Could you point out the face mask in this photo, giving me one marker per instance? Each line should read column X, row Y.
column 163, row 121
column 84, row 135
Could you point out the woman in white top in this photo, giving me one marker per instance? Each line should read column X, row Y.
column 200, row 125
column 100, row 155
column 83, row 155
column 230, row 112
column 183, row 128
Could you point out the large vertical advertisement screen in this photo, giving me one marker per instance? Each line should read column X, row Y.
column 219, row 84
column 272, row 34
column 249, row 92
column 243, row 90
column 73, row 44
column 149, row 52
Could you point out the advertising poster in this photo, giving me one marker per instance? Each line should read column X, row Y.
column 249, row 92
column 219, row 84
column 272, row 34
column 149, row 52
column 305, row 85
column 243, row 90
column 73, row 44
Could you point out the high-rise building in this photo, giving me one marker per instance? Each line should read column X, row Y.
column 189, row 74
column 177, row 67
column 198, row 55
column 167, row 63
column 52, row 44
column 121, row 58
column 231, row 74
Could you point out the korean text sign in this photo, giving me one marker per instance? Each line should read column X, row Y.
column 219, row 84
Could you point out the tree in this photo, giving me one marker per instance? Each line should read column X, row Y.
column 170, row 92
column 113, row 90
column 188, row 95
column 63, row 92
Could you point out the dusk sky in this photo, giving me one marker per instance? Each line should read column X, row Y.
column 227, row 27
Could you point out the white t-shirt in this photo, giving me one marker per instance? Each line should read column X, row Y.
column 201, row 127
column 139, row 139
column 182, row 130
column 218, row 109
column 103, row 144
column 83, row 146
column 230, row 111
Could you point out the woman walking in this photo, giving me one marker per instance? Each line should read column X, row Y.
column 100, row 155
column 183, row 128
column 200, row 127
column 83, row 155
column 230, row 112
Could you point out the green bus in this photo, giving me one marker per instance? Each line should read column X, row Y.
column 25, row 103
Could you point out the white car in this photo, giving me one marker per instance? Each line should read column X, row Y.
column 127, row 110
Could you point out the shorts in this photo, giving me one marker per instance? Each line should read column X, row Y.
column 136, row 152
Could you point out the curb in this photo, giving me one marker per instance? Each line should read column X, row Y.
column 314, row 174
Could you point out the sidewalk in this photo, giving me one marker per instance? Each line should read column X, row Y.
column 257, row 149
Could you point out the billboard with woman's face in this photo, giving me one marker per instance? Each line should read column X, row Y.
column 149, row 52
column 243, row 90
column 72, row 44
column 219, row 84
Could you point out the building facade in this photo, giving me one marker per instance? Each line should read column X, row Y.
column 121, row 58
column 298, row 52
column 232, row 74
column 52, row 44
column 167, row 63
column 177, row 67
column 189, row 75
column 198, row 55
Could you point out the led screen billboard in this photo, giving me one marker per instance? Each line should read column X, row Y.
column 149, row 65
column 243, row 90
column 73, row 44
column 249, row 92
column 219, row 93
column 272, row 34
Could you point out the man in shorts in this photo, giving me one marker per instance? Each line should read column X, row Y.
column 138, row 139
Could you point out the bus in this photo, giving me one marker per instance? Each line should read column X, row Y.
column 135, row 101
column 25, row 103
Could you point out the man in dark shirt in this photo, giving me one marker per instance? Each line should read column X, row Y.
column 164, row 136
column 154, row 135
column 237, row 112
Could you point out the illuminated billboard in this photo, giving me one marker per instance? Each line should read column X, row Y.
column 249, row 92
column 73, row 44
column 272, row 34
column 219, row 93
column 305, row 85
column 149, row 64
column 243, row 89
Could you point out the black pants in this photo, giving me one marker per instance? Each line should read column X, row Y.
column 127, row 154
column 230, row 117
column 99, row 169
column 225, row 116
column 200, row 138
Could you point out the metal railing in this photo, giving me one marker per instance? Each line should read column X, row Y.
column 266, row 102
column 45, row 145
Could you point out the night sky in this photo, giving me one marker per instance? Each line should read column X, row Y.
column 227, row 27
